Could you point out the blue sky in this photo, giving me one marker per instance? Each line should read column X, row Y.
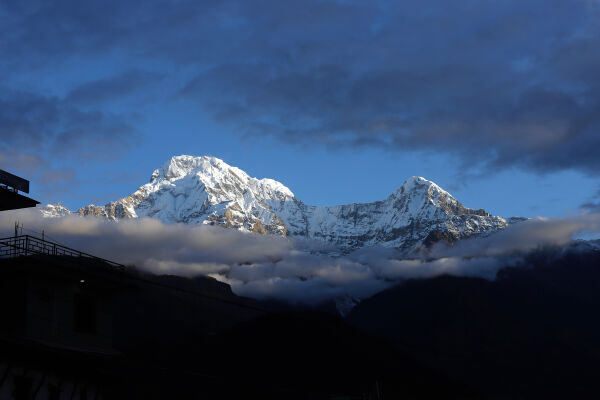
column 339, row 100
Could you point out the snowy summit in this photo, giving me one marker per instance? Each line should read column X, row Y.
column 206, row 190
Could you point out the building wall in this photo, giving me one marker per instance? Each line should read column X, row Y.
column 142, row 329
column 51, row 314
column 13, row 295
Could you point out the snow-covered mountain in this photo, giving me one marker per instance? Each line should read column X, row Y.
column 206, row 190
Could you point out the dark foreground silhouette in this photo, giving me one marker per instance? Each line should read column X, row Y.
column 534, row 332
column 301, row 355
column 79, row 328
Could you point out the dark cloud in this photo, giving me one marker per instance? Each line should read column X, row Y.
column 32, row 122
column 593, row 205
column 497, row 84
column 267, row 266
column 25, row 118
column 38, row 32
column 53, row 179
column 109, row 89
column 36, row 131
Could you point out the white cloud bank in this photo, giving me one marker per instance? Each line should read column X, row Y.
column 275, row 267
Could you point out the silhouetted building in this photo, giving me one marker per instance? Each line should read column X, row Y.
column 74, row 325
column 10, row 198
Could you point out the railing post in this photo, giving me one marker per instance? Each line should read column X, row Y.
column 26, row 245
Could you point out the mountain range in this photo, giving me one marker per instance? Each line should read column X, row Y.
column 206, row 190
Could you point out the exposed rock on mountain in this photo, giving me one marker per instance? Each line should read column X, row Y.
column 206, row 190
column 55, row 210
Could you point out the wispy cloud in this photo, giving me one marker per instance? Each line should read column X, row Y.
column 593, row 205
column 111, row 88
column 39, row 133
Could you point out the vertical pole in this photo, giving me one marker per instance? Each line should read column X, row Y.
column 14, row 249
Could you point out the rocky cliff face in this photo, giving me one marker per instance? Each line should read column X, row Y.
column 206, row 190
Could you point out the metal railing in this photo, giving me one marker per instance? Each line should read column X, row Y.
column 27, row 245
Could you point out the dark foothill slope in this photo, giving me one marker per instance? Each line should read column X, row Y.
column 532, row 332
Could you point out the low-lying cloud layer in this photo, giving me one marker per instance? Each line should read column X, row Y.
column 275, row 267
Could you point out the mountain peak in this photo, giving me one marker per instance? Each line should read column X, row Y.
column 207, row 190
column 415, row 178
column 416, row 181
column 422, row 195
column 215, row 173
column 180, row 166
column 220, row 180
column 418, row 184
